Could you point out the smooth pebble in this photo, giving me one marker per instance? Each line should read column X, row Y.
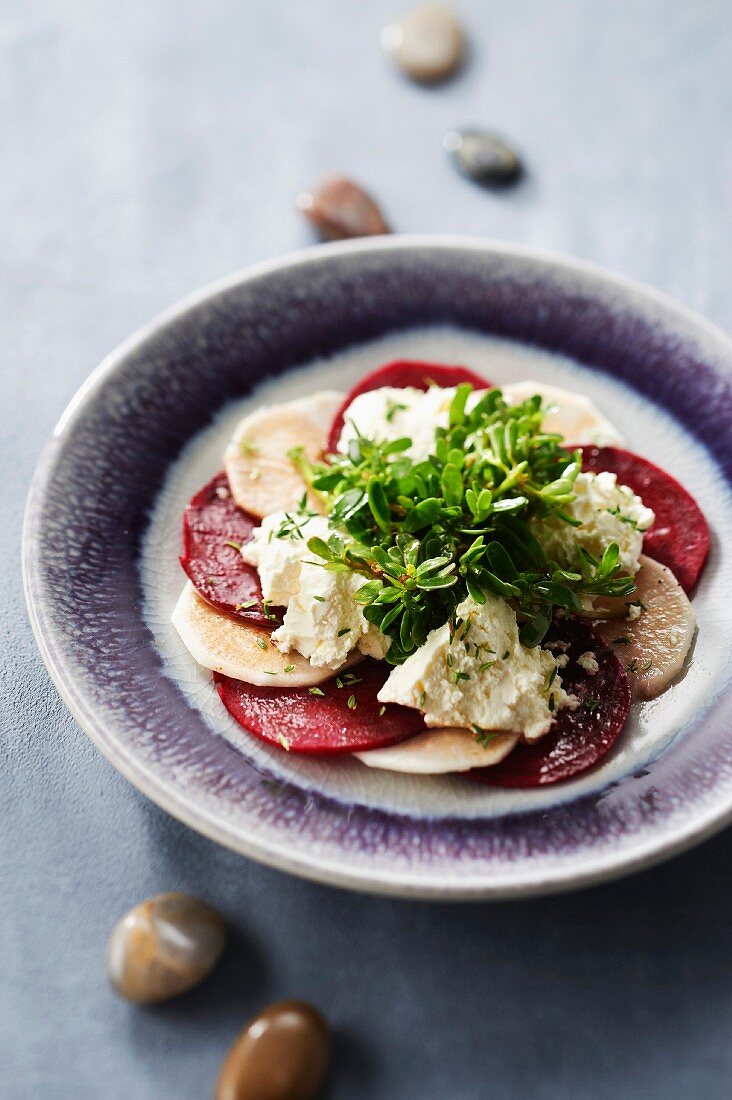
column 428, row 43
column 340, row 209
column 282, row 1054
column 164, row 946
column 483, row 157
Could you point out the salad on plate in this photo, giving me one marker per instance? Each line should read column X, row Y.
column 436, row 576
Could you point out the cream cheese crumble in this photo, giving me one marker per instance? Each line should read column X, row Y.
column 588, row 661
column 607, row 512
column 322, row 620
column 482, row 677
column 390, row 413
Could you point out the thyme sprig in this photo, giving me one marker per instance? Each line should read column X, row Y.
column 463, row 522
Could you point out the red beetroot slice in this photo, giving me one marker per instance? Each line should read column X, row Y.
column 217, row 570
column 297, row 719
column 679, row 538
column 578, row 738
column 400, row 374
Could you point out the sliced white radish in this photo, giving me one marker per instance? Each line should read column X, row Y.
column 653, row 646
column 262, row 477
column 575, row 416
column 438, row 751
column 243, row 652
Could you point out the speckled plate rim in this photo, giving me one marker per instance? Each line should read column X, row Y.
column 599, row 867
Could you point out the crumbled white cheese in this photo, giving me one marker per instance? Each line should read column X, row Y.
column 390, row 413
column 562, row 660
column 483, row 677
column 373, row 643
column 607, row 512
column 322, row 621
column 588, row 662
column 634, row 612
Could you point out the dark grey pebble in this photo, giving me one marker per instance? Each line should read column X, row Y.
column 483, row 157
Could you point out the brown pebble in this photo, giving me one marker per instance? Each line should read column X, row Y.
column 340, row 209
column 428, row 43
column 282, row 1054
column 164, row 946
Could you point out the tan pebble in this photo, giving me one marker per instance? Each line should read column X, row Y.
column 282, row 1054
column 340, row 209
column 428, row 43
column 164, row 946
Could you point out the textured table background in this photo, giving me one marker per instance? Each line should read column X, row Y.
column 150, row 147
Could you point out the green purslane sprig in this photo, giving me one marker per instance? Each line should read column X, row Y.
column 463, row 522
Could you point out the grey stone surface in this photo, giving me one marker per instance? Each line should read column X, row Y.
column 148, row 148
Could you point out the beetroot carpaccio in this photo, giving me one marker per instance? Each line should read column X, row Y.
column 440, row 553
column 214, row 530
column 343, row 715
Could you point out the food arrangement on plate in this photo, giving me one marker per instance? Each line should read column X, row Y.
column 439, row 576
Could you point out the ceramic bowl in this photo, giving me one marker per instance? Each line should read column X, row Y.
column 147, row 428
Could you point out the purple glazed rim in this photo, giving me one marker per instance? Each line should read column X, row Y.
column 674, row 803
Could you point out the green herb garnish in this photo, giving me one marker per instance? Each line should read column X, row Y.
column 392, row 408
column 465, row 522
column 623, row 519
column 484, row 737
column 293, row 523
